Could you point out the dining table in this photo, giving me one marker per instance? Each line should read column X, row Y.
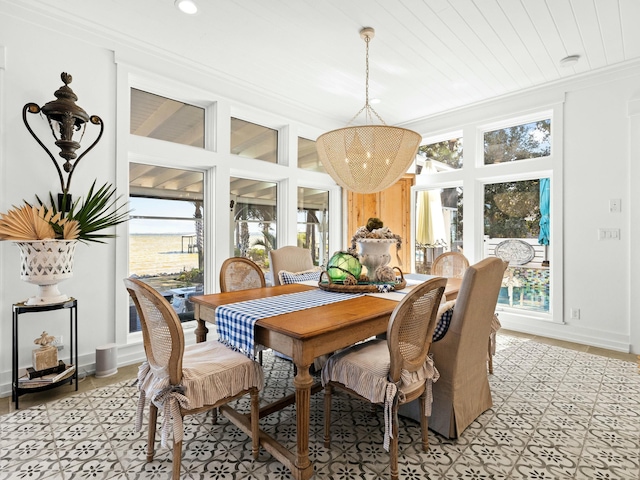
column 302, row 335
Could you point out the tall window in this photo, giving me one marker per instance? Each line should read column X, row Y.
column 438, row 225
column 516, row 228
column 254, row 216
column 166, row 243
column 313, row 223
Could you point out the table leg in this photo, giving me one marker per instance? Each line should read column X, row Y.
column 303, row 382
column 201, row 331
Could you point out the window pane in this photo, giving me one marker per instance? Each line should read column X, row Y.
column 530, row 140
column 254, row 141
column 513, row 215
column 308, row 156
column 445, row 155
column 254, row 207
column 313, row 223
column 166, row 243
column 438, row 225
column 158, row 117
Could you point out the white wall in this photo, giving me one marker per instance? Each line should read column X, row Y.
column 597, row 167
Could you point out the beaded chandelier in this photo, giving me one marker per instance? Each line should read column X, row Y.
column 367, row 158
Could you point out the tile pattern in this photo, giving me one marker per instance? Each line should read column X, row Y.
column 557, row 414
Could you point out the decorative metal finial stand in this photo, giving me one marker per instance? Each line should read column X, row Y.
column 65, row 118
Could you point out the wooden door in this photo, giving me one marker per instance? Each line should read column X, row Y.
column 393, row 207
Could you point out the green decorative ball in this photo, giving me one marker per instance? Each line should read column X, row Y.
column 341, row 264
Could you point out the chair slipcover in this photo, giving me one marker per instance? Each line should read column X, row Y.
column 462, row 393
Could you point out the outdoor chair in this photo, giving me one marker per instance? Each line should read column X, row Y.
column 181, row 380
column 462, row 392
column 450, row 265
column 391, row 371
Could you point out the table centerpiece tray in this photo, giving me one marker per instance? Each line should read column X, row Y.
column 325, row 283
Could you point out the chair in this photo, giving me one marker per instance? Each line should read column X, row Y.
column 183, row 380
column 462, row 393
column 450, row 265
column 291, row 259
column 394, row 370
column 239, row 273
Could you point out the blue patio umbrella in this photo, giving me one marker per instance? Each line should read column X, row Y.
column 545, row 200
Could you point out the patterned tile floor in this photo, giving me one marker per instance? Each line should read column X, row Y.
column 558, row 414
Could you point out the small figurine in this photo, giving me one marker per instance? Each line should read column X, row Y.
column 44, row 340
column 47, row 355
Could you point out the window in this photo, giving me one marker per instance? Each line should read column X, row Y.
column 254, row 216
column 513, row 215
column 308, row 156
column 254, row 141
column 520, row 142
column 444, row 155
column 161, row 118
column 166, row 243
column 313, row 223
column 438, row 225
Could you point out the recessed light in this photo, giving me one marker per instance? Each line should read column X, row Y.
column 374, row 101
column 187, row 6
column 569, row 61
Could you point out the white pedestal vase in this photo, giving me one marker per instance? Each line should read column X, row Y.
column 374, row 253
column 46, row 263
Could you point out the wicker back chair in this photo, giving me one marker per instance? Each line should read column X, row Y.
column 450, row 265
column 239, row 273
column 291, row 259
column 181, row 380
column 394, row 370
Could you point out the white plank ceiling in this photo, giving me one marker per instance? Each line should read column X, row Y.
column 306, row 56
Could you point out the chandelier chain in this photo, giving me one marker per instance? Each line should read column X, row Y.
column 367, row 108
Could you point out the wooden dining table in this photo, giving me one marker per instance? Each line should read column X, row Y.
column 301, row 335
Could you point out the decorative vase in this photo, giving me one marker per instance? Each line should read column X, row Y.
column 374, row 253
column 46, row 263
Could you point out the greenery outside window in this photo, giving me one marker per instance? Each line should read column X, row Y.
column 313, row 223
column 520, row 142
column 254, row 219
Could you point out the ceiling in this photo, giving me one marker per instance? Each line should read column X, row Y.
column 306, row 59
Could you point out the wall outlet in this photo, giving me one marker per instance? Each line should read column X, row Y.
column 575, row 314
column 58, row 342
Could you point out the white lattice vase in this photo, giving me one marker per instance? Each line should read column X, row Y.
column 46, row 263
column 374, row 253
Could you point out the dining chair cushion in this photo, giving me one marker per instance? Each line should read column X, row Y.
column 295, row 277
column 445, row 313
column 205, row 382
column 364, row 368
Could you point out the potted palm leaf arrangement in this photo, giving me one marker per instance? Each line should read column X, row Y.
column 47, row 235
